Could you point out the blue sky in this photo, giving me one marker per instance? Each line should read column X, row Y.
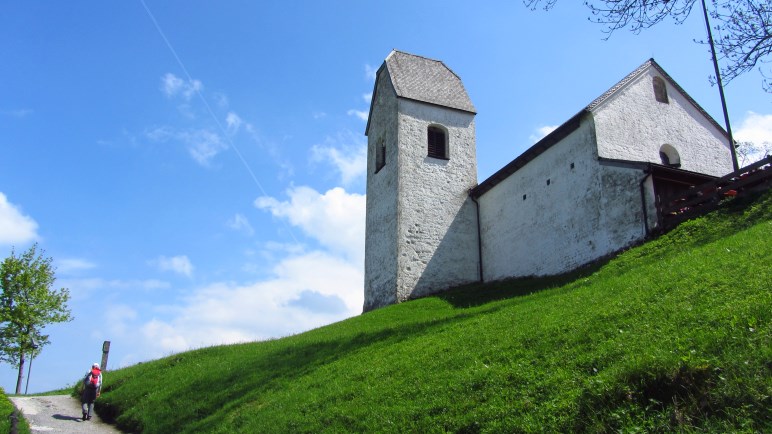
column 197, row 168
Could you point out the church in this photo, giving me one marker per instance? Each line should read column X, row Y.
column 587, row 190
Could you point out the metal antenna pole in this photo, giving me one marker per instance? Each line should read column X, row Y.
column 720, row 88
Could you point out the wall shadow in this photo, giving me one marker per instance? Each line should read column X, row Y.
column 478, row 294
column 455, row 261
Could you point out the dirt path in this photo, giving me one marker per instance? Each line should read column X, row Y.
column 59, row 414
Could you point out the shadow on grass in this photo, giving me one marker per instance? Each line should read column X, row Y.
column 681, row 398
column 479, row 294
column 210, row 397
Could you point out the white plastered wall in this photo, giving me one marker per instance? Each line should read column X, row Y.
column 582, row 214
column 437, row 229
column 381, row 209
column 632, row 125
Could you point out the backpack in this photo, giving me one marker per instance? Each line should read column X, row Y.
column 93, row 378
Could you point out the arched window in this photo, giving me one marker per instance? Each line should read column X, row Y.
column 669, row 156
column 437, row 142
column 660, row 90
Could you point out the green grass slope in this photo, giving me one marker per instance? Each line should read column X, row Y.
column 8, row 413
column 673, row 335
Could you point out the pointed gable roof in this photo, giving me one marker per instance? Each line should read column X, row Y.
column 426, row 80
column 572, row 124
column 651, row 63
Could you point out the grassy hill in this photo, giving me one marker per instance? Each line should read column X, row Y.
column 673, row 335
column 8, row 413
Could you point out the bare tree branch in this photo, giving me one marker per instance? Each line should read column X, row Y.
column 637, row 14
column 744, row 27
column 745, row 36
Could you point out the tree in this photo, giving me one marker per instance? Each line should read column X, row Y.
column 27, row 305
column 749, row 152
column 746, row 36
column 744, row 27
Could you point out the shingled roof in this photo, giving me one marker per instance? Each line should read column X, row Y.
column 427, row 80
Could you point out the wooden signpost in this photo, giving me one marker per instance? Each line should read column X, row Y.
column 105, row 353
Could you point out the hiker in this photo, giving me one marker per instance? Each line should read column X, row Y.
column 92, row 387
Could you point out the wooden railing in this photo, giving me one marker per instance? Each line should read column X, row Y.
column 706, row 197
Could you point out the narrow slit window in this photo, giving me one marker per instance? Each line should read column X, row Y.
column 437, row 143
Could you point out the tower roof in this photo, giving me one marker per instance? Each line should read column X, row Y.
column 427, row 80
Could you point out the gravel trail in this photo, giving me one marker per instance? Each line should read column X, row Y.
column 59, row 414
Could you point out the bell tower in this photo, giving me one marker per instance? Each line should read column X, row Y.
column 421, row 228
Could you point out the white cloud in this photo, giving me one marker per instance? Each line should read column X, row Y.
column 118, row 319
column 305, row 292
column 240, row 223
column 272, row 249
column 347, row 153
column 233, row 122
column 177, row 264
column 335, row 218
column 164, row 337
column 171, row 85
column 160, row 134
column 83, row 288
column 542, row 132
column 202, row 144
column 283, row 247
column 362, row 115
column 368, row 97
column 73, row 265
column 756, row 129
column 15, row 227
